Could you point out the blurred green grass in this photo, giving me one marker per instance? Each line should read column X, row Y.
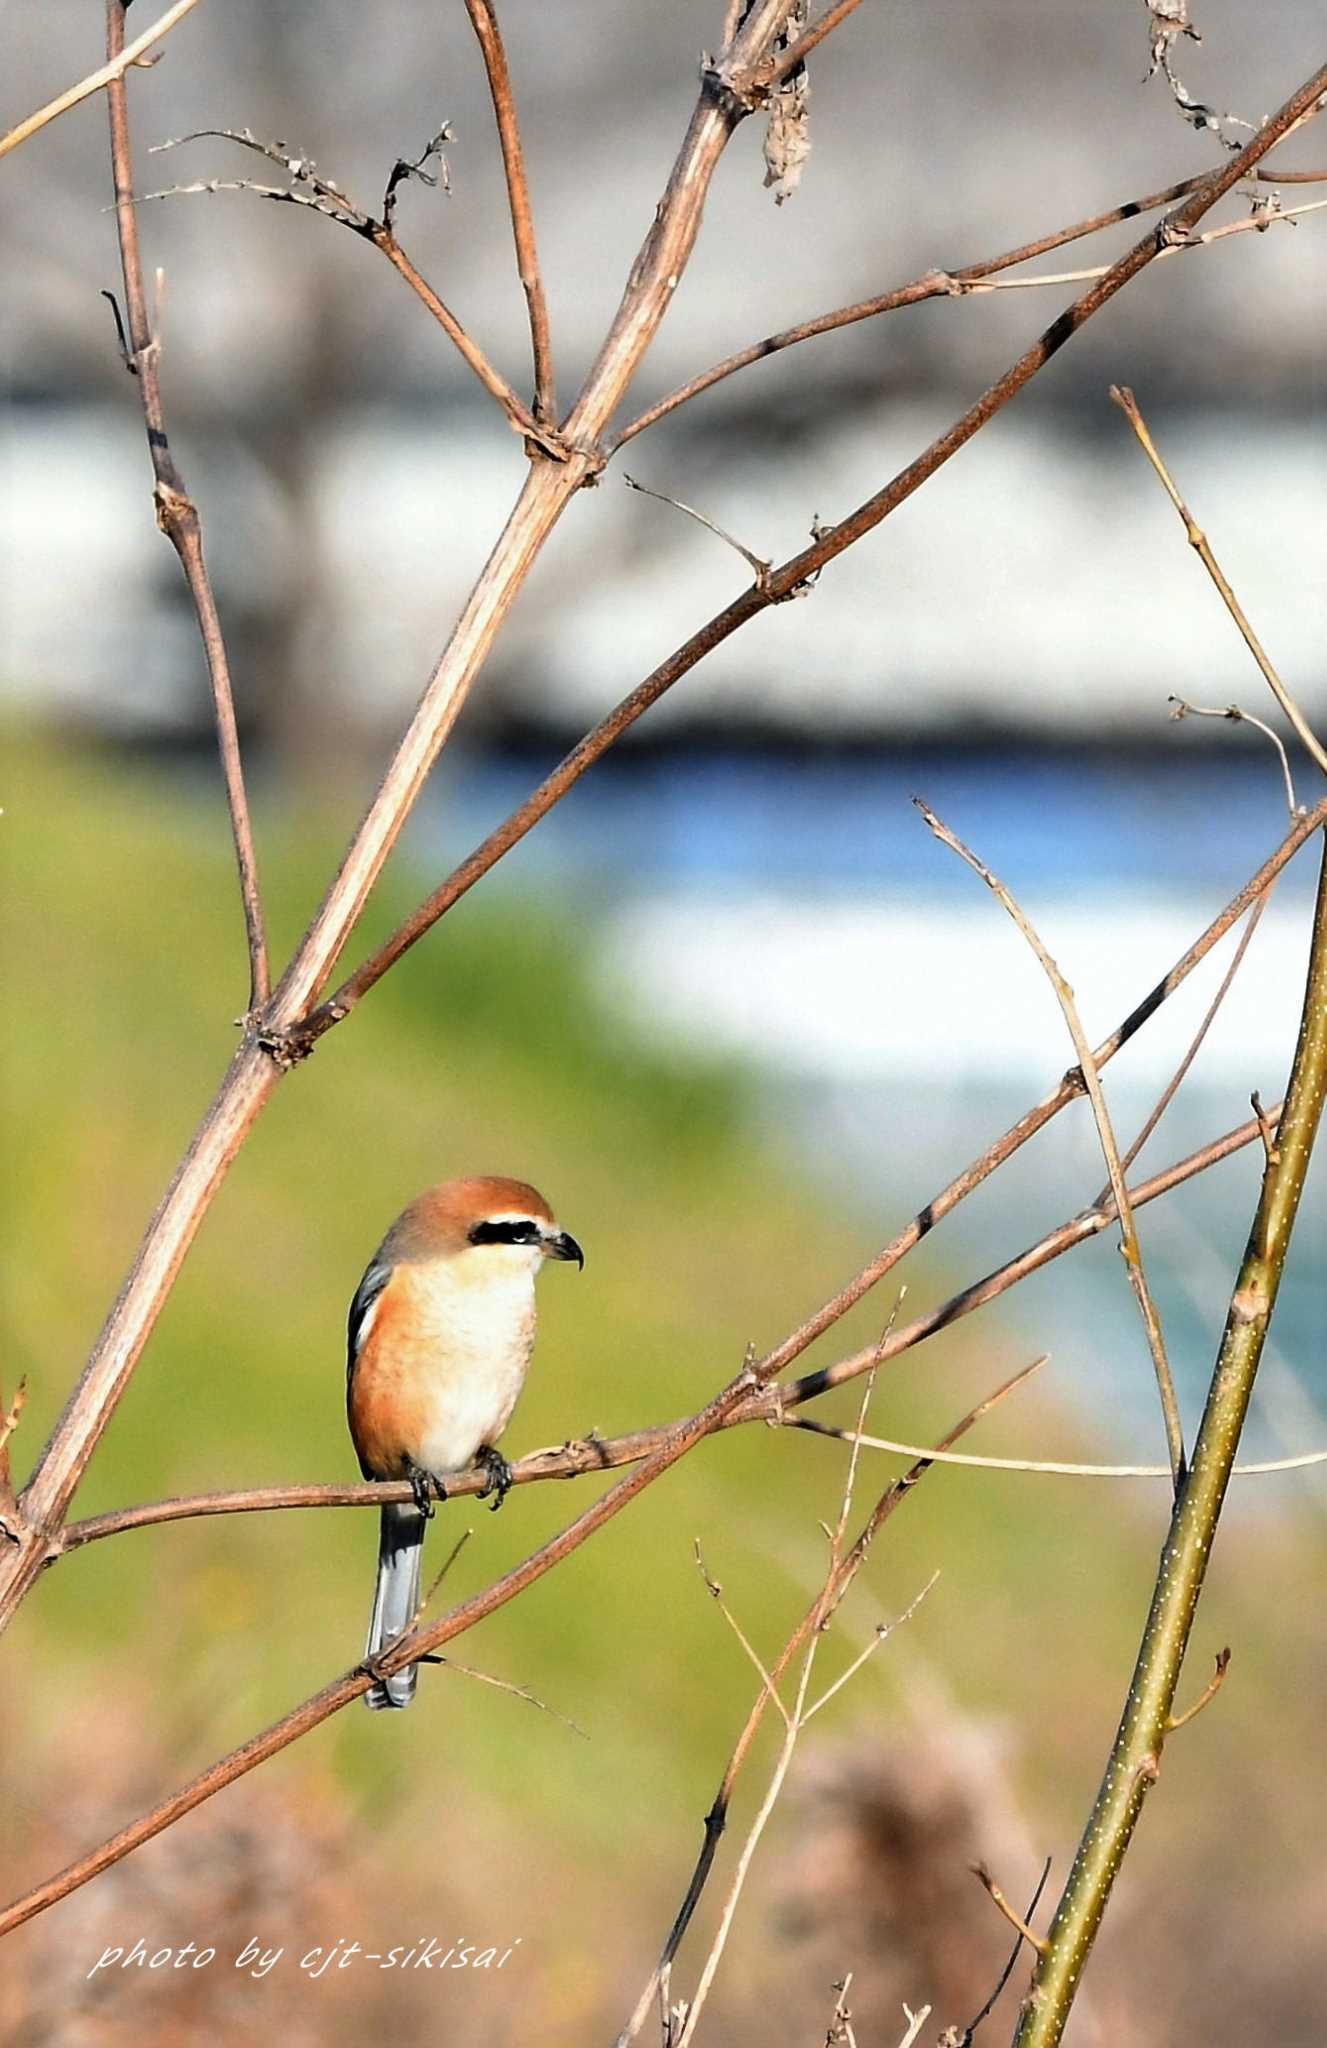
column 486, row 1050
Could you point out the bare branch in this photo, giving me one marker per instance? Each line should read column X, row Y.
column 1260, row 1468
column 979, row 2019
column 883, row 1630
column 958, row 282
column 1092, row 1080
column 1172, row 1086
column 485, row 24
column 756, row 563
column 1198, row 541
column 1209, row 1691
column 1015, row 1918
column 715, row 1590
column 797, row 53
column 177, row 515
column 309, row 187
column 116, row 68
column 1183, row 709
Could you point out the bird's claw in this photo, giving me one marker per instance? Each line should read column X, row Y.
column 420, row 1483
column 498, row 1475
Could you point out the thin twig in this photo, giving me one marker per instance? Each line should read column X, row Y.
column 1257, row 222
column 1058, row 1467
column 9, row 1420
column 520, row 1692
column 787, row 61
column 883, row 1630
column 1183, row 709
column 1209, row 1691
column 756, row 563
column 980, row 2018
column 322, row 195
column 1133, row 1256
column 1172, row 1086
column 916, row 2021
column 1135, row 1757
column 177, row 515
column 485, row 24
column 1011, row 1913
column 116, row 68
column 715, row 1591
column 1198, row 541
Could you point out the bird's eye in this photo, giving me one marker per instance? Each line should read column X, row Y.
column 505, row 1230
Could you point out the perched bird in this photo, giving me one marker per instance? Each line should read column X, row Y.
column 441, row 1330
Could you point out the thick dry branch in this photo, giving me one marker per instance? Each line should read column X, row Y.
column 580, row 1457
column 934, row 284
column 1133, row 1255
column 1136, row 1754
column 485, row 24
column 177, row 515
column 127, row 57
column 1198, row 541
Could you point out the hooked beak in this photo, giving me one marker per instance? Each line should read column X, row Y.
column 562, row 1245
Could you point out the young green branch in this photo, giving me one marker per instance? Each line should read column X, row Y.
column 1136, row 1754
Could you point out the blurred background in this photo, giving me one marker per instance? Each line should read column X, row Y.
column 730, row 1006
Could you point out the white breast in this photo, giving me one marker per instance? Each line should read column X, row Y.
column 480, row 1323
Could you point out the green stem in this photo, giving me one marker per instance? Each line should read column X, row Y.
column 1136, row 1753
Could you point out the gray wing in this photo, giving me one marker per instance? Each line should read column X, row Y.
column 361, row 1313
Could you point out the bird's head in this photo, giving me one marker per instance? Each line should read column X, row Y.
column 490, row 1221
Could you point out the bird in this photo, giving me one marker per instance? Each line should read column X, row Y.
column 440, row 1333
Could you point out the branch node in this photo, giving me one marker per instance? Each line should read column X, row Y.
column 287, row 1048
column 735, row 101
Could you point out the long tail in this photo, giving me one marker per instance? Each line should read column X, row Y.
column 395, row 1599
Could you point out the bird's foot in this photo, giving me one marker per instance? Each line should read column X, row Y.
column 497, row 1471
column 420, row 1484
